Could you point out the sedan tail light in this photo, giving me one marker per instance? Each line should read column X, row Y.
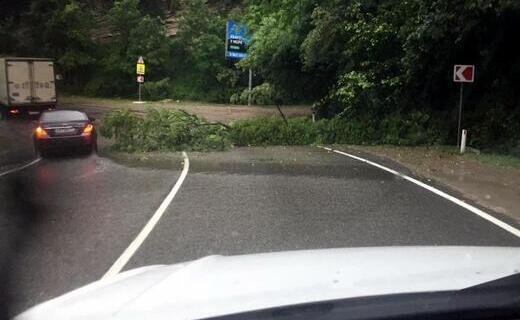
column 40, row 133
column 88, row 129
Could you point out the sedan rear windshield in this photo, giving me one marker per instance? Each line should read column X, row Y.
column 63, row 116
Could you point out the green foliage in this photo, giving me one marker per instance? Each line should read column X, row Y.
column 409, row 130
column 177, row 130
column 350, row 89
column 382, row 59
column 162, row 130
column 8, row 36
column 497, row 129
column 122, row 18
column 273, row 131
column 412, row 129
column 68, row 37
column 156, row 90
column 125, row 127
column 260, row 95
column 200, row 71
column 60, row 29
column 278, row 30
column 385, row 66
column 337, row 130
column 135, row 35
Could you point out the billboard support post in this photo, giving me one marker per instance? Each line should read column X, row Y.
column 250, row 87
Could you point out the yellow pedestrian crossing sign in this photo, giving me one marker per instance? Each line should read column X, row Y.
column 140, row 67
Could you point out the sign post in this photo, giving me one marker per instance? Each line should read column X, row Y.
column 237, row 40
column 462, row 73
column 250, row 86
column 140, row 71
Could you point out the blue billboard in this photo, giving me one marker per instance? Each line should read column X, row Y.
column 237, row 40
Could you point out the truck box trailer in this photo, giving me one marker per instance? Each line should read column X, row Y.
column 27, row 85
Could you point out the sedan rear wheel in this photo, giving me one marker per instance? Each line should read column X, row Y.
column 38, row 152
column 92, row 148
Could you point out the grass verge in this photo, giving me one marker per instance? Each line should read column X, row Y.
column 177, row 130
column 496, row 160
column 419, row 154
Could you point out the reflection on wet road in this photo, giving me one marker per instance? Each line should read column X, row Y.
column 289, row 198
column 67, row 219
column 89, row 209
column 15, row 142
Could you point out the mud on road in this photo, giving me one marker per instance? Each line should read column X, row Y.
column 209, row 111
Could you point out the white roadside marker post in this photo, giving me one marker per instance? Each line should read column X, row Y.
column 463, row 141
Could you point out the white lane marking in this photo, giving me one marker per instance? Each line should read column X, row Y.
column 438, row 192
column 20, row 167
column 141, row 237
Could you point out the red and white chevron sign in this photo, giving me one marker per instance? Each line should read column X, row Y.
column 463, row 73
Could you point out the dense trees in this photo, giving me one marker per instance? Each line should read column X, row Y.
column 133, row 34
column 383, row 65
column 388, row 63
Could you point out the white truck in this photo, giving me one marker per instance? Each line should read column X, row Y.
column 27, row 85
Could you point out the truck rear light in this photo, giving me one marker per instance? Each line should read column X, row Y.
column 40, row 133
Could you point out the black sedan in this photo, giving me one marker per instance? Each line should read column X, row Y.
column 64, row 129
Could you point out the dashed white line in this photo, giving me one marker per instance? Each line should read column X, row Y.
column 20, row 167
column 438, row 192
column 141, row 237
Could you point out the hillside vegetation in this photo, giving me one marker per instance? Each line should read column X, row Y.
column 384, row 67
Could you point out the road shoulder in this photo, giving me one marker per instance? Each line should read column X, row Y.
column 494, row 187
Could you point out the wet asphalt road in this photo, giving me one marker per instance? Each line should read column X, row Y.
column 15, row 142
column 78, row 213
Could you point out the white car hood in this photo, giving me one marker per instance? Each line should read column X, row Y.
column 221, row 285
